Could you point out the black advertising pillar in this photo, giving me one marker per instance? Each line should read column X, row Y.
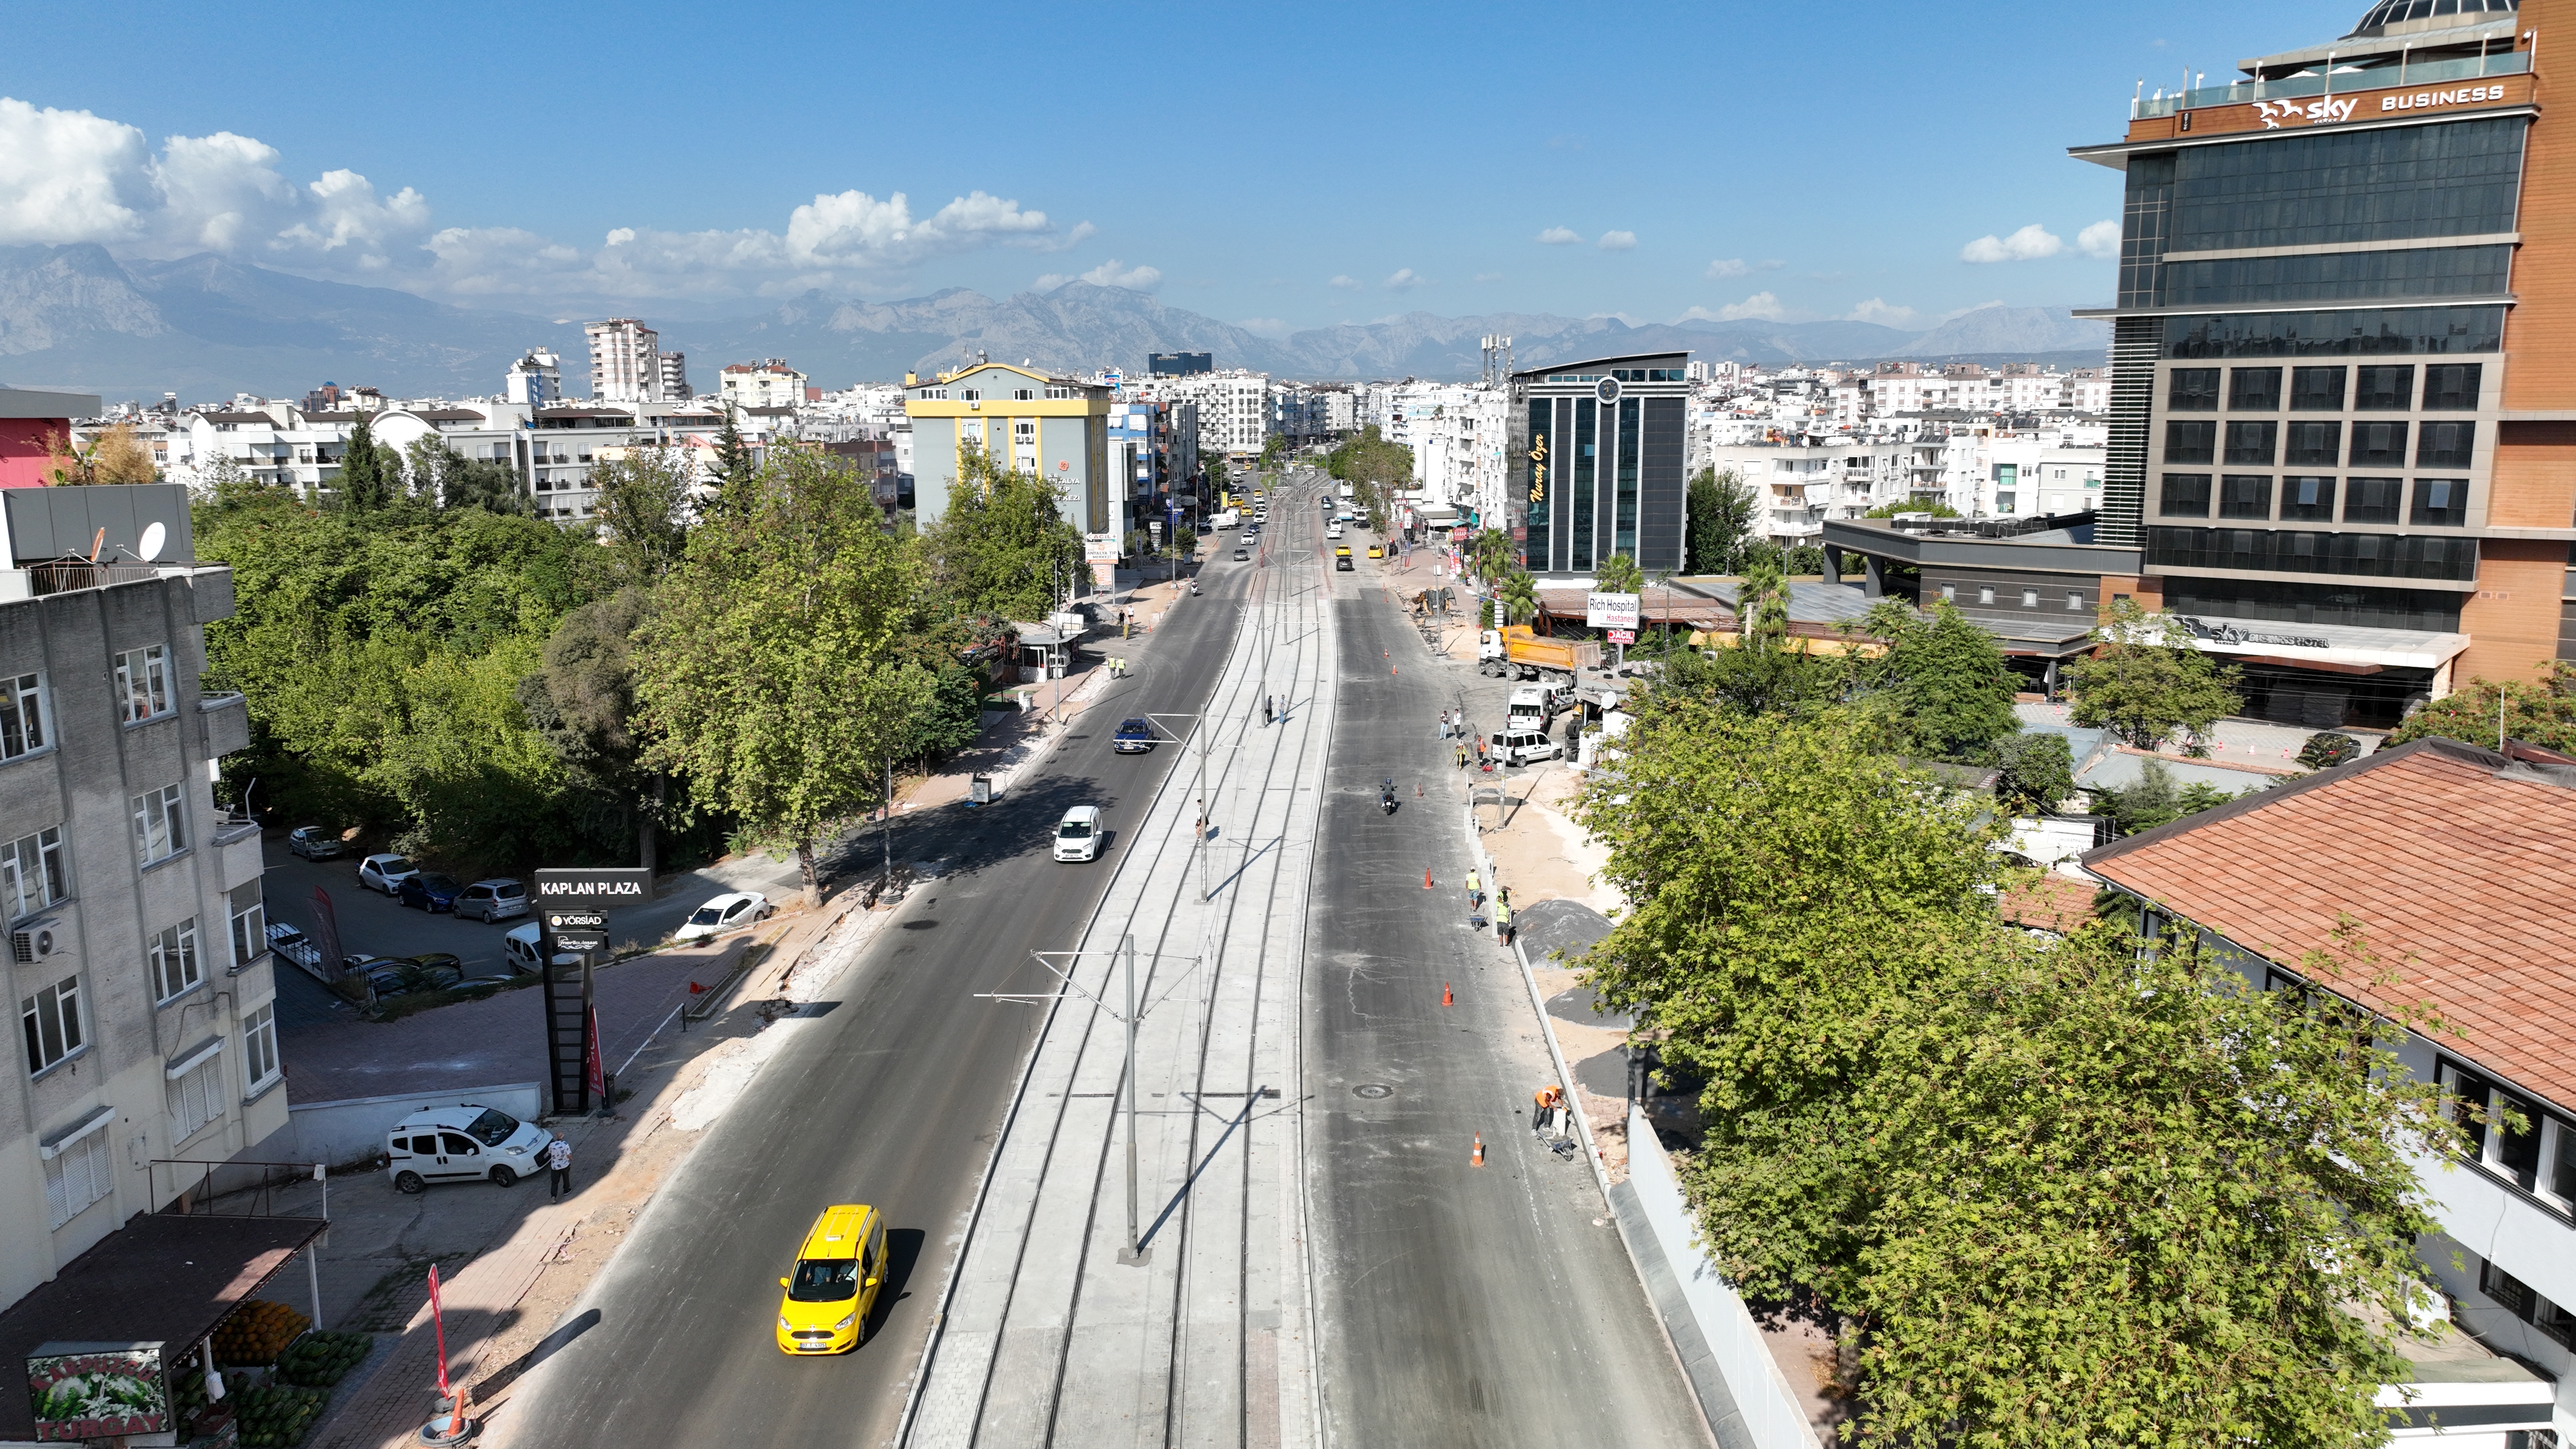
column 572, row 912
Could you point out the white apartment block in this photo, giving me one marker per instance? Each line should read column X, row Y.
column 1800, row 482
column 535, row 380
column 766, row 384
column 625, row 365
column 1233, row 406
column 673, row 368
column 1460, row 437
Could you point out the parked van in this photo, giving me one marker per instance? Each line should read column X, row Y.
column 523, row 949
column 493, row 900
column 1519, row 747
column 1528, row 709
column 1077, row 836
column 467, row 1142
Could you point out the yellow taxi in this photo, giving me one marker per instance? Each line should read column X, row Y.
column 1377, row 550
column 835, row 1282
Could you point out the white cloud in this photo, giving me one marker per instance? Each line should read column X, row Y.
column 71, row 176
column 1405, row 280
column 1107, row 274
column 1346, row 283
column 1761, row 305
column 1557, row 236
column 1883, row 312
column 2101, row 239
column 2026, row 245
column 1618, row 241
column 1487, row 277
column 1270, row 327
column 1726, row 267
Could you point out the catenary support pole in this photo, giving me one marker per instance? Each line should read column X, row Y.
column 1127, row 945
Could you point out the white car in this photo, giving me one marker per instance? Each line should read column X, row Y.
column 1077, row 836
column 732, row 912
column 523, row 950
column 312, row 842
column 468, row 1142
column 386, row 873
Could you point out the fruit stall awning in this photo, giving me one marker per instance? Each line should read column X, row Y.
column 161, row 1278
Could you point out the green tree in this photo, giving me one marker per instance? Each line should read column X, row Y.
column 2034, row 773
column 1002, row 547
column 644, row 508
column 438, row 472
column 1492, row 554
column 767, row 672
column 1519, row 595
column 1985, row 1152
column 2144, row 680
column 734, row 465
column 2543, row 714
column 583, row 701
column 1933, row 506
column 2154, row 799
column 1619, row 574
column 371, row 478
column 1721, row 509
column 1943, row 680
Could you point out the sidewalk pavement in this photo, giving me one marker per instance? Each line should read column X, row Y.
column 501, row 1308
column 2231, row 741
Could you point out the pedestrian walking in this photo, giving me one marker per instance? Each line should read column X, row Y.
column 1268, row 709
column 558, row 1169
column 1475, row 891
column 1462, row 757
column 1502, row 922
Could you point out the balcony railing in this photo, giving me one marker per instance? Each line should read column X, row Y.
column 2405, row 73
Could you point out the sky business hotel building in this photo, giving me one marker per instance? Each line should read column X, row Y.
column 2344, row 354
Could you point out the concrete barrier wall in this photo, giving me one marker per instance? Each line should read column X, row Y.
column 355, row 1127
column 1771, row 1412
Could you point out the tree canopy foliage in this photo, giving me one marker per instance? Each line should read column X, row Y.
column 1619, row 574
column 1943, row 684
column 2059, row 1192
column 1002, row 548
column 2542, row 714
column 1721, row 508
column 2144, row 680
column 768, row 672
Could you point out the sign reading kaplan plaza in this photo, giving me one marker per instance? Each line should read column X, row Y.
column 600, row 889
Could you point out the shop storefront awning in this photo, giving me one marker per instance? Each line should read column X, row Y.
column 161, row 1278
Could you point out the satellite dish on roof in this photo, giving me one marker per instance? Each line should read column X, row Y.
column 154, row 535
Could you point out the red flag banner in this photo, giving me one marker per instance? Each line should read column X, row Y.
column 438, row 1320
column 597, row 1084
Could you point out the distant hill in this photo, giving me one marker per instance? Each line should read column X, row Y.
column 207, row 327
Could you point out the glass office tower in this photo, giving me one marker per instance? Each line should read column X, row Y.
column 1597, row 463
column 2343, row 394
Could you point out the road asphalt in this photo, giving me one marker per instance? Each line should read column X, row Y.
column 890, row 1093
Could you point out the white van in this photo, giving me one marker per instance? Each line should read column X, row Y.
column 523, row 950
column 1519, row 747
column 1528, row 709
column 1077, row 835
column 467, row 1142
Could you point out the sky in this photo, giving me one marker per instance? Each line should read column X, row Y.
column 1276, row 166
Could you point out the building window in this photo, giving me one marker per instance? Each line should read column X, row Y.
column 250, row 925
column 78, row 1173
column 142, row 683
column 31, row 873
column 1986, row 594
column 1950, row 592
column 160, row 825
column 22, row 715
column 2193, row 390
column 259, row 1049
column 2441, row 502
column 2254, row 390
column 2245, row 495
column 2253, row 443
column 2030, row 598
column 2378, row 332
column 173, row 959
column 2373, row 500
column 52, row 1019
column 2191, row 442
column 2316, row 445
column 2316, row 389
column 2074, row 603
column 2186, row 495
column 2445, row 445
column 2385, row 390
column 2451, row 387
column 197, row 1096
column 2307, row 500
column 2379, row 445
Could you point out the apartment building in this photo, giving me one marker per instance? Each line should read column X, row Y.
column 766, row 384
column 625, row 361
column 138, row 954
column 564, row 443
column 1055, row 427
column 1596, row 458
column 1460, row 437
column 1233, row 407
column 535, row 380
column 2341, row 388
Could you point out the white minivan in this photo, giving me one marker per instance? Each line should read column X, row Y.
column 1077, row 835
column 523, row 950
column 467, row 1142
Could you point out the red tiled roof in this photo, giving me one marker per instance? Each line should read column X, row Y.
column 2460, row 865
column 2048, row 902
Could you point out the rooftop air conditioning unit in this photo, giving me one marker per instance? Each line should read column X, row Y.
column 35, row 943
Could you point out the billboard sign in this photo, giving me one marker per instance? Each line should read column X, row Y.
column 1100, row 548
column 593, row 889
column 97, row 1390
column 1610, row 611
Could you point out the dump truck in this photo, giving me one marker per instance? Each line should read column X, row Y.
column 1518, row 653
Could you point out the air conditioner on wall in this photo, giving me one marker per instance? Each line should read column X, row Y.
column 37, row 941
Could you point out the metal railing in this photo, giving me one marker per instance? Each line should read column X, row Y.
column 205, row 1188
column 2405, row 73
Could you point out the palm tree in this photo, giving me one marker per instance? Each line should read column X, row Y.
column 1619, row 574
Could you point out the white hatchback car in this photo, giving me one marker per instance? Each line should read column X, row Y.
column 386, row 873
column 1077, row 835
column 732, row 912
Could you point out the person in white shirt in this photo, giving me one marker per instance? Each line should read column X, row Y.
column 559, row 1169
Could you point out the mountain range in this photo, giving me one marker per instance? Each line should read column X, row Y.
column 207, row 327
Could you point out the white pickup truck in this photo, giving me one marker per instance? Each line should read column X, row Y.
column 1226, row 518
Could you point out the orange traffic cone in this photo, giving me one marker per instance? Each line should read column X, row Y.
column 1426, row 877
column 1447, row 997
column 1479, row 1159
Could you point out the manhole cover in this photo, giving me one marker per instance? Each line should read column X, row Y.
column 1372, row 1090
